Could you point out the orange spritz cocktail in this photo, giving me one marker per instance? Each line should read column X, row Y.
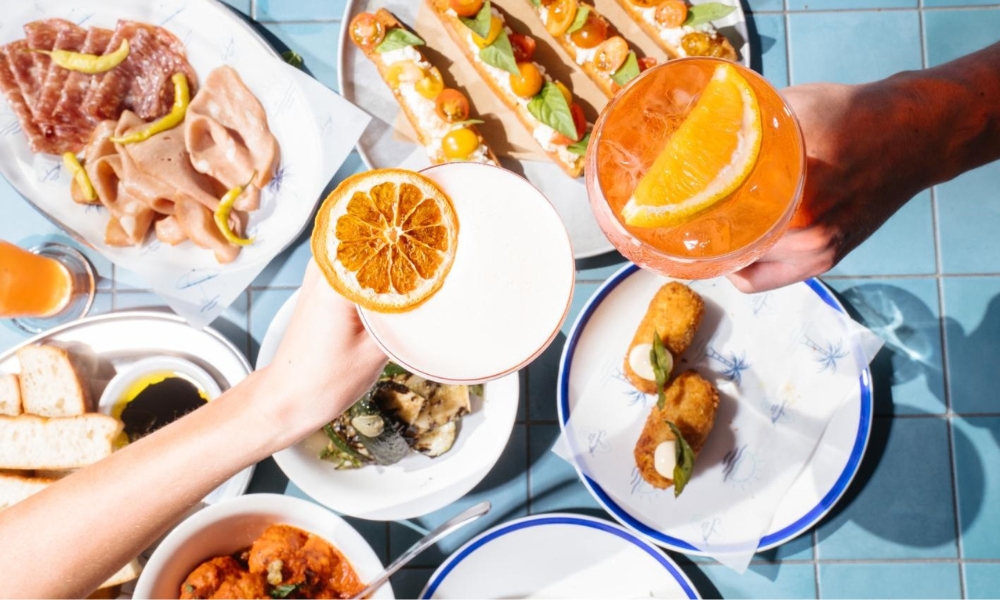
column 695, row 168
column 31, row 285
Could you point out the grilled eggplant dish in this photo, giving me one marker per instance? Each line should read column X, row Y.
column 402, row 413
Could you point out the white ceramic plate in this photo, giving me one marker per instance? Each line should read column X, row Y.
column 379, row 147
column 558, row 556
column 187, row 276
column 825, row 476
column 415, row 486
column 229, row 526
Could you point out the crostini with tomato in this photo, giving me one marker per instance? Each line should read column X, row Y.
column 592, row 42
column 440, row 116
column 682, row 29
column 505, row 61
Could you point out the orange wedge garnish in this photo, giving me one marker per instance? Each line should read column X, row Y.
column 707, row 159
column 386, row 239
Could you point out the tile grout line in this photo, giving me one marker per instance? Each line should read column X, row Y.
column 815, row 561
column 788, row 45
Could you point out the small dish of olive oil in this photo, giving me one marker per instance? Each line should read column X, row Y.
column 154, row 392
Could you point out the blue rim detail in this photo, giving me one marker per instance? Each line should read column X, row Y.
column 611, row 528
column 768, row 541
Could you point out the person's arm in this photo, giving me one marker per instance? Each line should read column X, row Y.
column 871, row 148
column 72, row 536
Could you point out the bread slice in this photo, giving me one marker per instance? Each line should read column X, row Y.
column 671, row 39
column 15, row 487
column 127, row 573
column 498, row 81
column 585, row 57
column 51, row 385
column 419, row 110
column 10, row 396
column 31, row 442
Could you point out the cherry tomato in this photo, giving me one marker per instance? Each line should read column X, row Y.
column 367, row 31
column 431, row 85
column 529, row 82
column 697, row 43
column 403, row 71
column 593, row 32
column 645, row 3
column 565, row 92
column 579, row 120
column 523, row 45
column 452, row 106
column 610, row 55
column 646, row 62
column 466, row 8
column 671, row 13
column 561, row 15
column 458, row 144
column 496, row 28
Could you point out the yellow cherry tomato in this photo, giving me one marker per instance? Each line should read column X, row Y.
column 459, row 143
column 527, row 84
column 610, row 55
column 403, row 71
column 565, row 92
column 431, row 85
column 496, row 28
column 367, row 31
column 561, row 15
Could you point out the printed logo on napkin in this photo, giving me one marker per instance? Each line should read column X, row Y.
column 784, row 362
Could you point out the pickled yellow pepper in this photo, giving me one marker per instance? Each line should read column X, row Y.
column 182, row 97
column 80, row 177
column 225, row 208
column 88, row 63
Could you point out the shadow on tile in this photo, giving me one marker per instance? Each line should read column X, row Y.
column 911, row 331
column 973, row 353
column 759, row 44
column 697, row 576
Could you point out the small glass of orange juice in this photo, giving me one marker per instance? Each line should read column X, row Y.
column 695, row 169
column 44, row 286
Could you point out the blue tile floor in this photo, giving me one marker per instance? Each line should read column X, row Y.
column 922, row 517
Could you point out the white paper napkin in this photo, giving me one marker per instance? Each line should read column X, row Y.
column 784, row 362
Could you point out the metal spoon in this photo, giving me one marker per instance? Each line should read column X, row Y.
column 453, row 524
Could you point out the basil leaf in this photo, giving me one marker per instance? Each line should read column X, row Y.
column 480, row 24
column 392, row 369
column 685, row 460
column 500, row 55
column 580, row 20
column 398, row 38
column 628, row 71
column 707, row 12
column 549, row 106
column 659, row 358
column 580, row 147
column 468, row 122
column 293, row 58
column 282, row 591
column 536, row 2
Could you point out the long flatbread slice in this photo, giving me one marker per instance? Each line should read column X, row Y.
column 681, row 40
column 499, row 82
column 420, row 111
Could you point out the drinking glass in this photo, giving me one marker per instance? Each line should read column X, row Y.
column 634, row 128
column 44, row 286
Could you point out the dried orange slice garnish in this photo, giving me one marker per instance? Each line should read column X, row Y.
column 386, row 239
column 709, row 156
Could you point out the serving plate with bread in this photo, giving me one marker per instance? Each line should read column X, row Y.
column 533, row 94
column 50, row 419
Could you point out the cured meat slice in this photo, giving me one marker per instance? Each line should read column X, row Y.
column 71, row 37
column 227, row 135
column 142, row 82
column 69, row 110
column 34, row 66
column 12, row 92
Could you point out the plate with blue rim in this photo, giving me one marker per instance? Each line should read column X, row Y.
column 825, row 476
column 559, row 555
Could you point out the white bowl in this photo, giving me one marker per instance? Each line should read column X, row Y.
column 233, row 524
column 155, row 364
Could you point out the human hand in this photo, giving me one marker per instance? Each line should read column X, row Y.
column 862, row 166
column 326, row 360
